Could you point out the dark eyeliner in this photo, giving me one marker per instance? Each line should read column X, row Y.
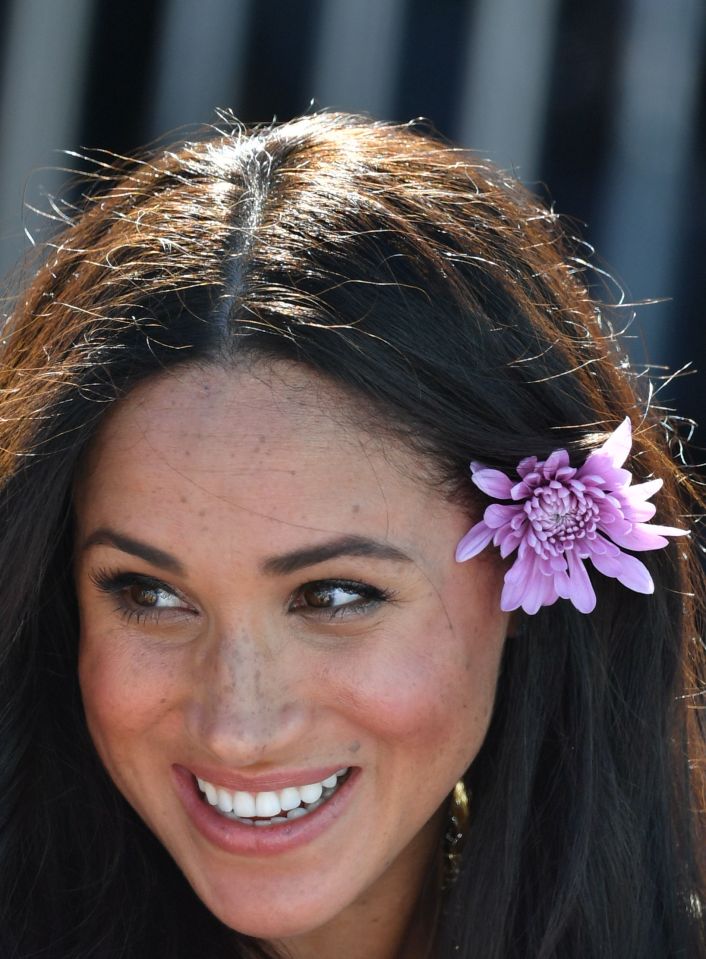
column 371, row 597
column 113, row 582
column 117, row 584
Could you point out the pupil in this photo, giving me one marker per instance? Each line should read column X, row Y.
column 143, row 596
column 318, row 597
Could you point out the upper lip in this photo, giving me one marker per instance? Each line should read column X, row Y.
column 270, row 781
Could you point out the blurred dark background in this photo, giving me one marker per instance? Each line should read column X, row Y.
column 599, row 105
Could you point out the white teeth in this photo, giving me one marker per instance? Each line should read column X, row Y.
column 244, row 804
column 290, row 798
column 267, row 804
column 211, row 793
column 268, row 807
column 311, row 793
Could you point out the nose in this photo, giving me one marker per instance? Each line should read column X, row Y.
column 245, row 708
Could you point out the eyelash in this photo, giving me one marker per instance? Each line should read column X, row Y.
column 118, row 584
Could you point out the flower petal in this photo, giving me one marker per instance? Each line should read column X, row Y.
column 526, row 466
column 599, row 544
column 521, row 490
column 540, row 592
column 475, row 540
column 641, row 536
column 618, row 444
column 601, row 470
column 565, row 473
column 662, row 530
column 562, row 584
column 507, row 539
column 581, row 590
column 514, row 585
column 527, row 586
column 555, row 461
column 550, row 595
column 638, row 511
column 634, row 574
column 498, row 514
column 608, row 564
column 493, row 482
column 642, row 491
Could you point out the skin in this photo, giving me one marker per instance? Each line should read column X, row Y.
column 223, row 470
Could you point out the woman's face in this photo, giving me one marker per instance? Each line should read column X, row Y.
column 269, row 597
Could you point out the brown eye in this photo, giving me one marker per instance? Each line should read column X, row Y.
column 152, row 597
column 141, row 598
column 324, row 597
column 336, row 597
column 143, row 595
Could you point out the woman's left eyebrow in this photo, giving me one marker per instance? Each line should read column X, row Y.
column 342, row 546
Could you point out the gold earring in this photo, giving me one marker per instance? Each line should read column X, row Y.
column 459, row 806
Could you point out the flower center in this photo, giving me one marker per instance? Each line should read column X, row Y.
column 560, row 516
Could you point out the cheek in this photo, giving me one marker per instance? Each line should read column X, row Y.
column 124, row 691
column 432, row 691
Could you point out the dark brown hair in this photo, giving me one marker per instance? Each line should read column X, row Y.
column 448, row 299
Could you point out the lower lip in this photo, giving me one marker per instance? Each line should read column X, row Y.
column 237, row 838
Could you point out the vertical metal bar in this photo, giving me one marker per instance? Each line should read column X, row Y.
column 44, row 64
column 508, row 68
column 199, row 64
column 653, row 129
column 357, row 55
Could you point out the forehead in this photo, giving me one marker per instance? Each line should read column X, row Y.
column 277, row 446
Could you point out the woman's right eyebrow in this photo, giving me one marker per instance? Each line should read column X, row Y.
column 105, row 536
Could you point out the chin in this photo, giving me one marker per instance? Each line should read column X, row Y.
column 269, row 916
column 269, row 924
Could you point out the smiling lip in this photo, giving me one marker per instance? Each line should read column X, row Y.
column 239, row 839
column 271, row 782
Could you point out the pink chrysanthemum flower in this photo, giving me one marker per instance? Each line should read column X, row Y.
column 562, row 515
